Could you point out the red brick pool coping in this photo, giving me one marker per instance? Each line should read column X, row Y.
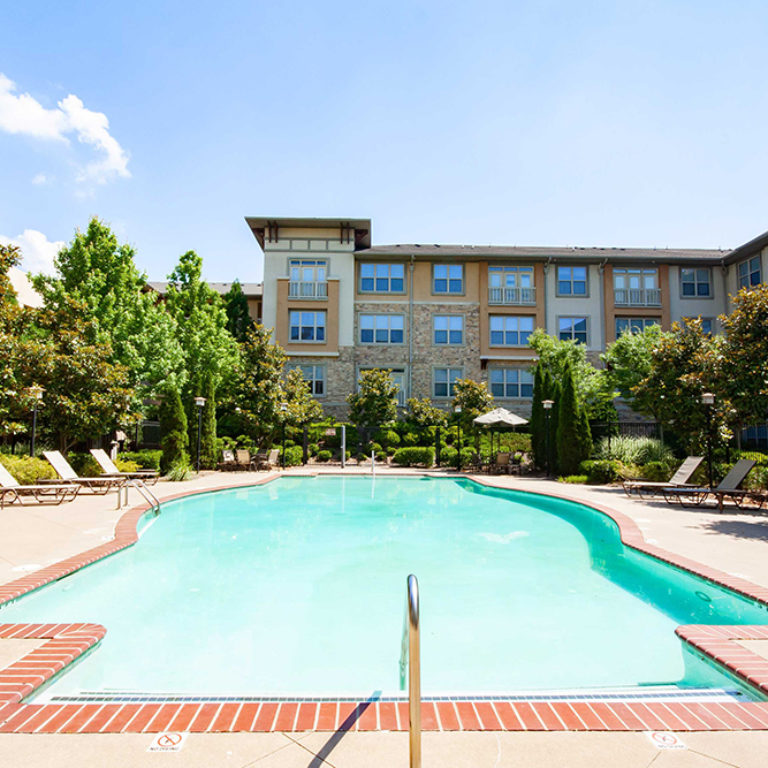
column 65, row 643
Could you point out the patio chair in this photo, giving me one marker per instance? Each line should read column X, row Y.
column 728, row 489
column 149, row 476
column 12, row 490
column 269, row 460
column 502, row 463
column 243, row 459
column 99, row 485
column 655, row 488
column 228, row 461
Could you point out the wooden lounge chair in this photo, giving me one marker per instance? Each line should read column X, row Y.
column 227, row 462
column 149, row 476
column 268, row 460
column 12, row 490
column 728, row 489
column 656, row 488
column 100, row 485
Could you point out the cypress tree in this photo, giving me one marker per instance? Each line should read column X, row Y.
column 208, row 453
column 552, row 391
column 173, row 422
column 573, row 441
column 537, row 423
column 238, row 317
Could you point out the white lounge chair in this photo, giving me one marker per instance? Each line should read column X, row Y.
column 102, row 458
column 11, row 490
column 101, row 484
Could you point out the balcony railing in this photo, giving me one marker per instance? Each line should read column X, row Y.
column 308, row 289
column 511, row 295
column 637, row 297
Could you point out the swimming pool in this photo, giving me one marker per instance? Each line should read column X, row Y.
column 297, row 587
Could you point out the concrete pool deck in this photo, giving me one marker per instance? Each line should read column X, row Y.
column 735, row 542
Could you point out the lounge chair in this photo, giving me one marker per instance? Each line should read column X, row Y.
column 100, row 485
column 243, row 459
column 145, row 475
column 268, row 460
column 12, row 490
column 728, row 489
column 227, row 462
column 502, row 464
column 656, row 488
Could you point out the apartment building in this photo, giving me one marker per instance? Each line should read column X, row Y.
column 435, row 313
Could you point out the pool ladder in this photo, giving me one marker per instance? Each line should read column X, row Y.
column 146, row 494
column 410, row 657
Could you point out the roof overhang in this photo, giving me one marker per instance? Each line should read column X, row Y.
column 259, row 225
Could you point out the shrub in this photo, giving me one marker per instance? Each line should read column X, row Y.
column 467, row 454
column 573, row 479
column 388, row 438
column 601, row 471
column 144, row 459
column 27, row 469
column 288, row 443
column 381, row 456
column 635, row 450
column 656, row 471
column 757, row 479
column 410, row 438
column 126, row 466
column 175, row 440
column 375, row 447
column 314, row 449
column 448, row 456
column 293, row 456
column 84, row 464
column 409, row 457
column 179, row 472
column 324, row 455
column 761, row 459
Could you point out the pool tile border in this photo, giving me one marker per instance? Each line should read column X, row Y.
column 65, row 643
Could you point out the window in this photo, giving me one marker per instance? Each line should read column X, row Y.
column 444, row 381
column 448, row 278
column 511, row 285
column 315, row 377
column 448, row 329
column 634, row 324
column 749, row 273
column 571, row 281
column 382, row 278
column 308, row 278
column 307, row 326
column 696, row 282
column 755, row 438
column 511, row 382
column 398, row 379
column 573, row 329
column 636, row 286
column 381, row 329
column 510, row 330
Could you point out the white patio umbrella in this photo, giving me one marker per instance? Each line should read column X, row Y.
column 499, row 417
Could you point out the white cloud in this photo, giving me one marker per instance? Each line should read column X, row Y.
column 41, row 179
column 37, row 250
column 23, row 114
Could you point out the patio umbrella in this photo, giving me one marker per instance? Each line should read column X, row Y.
column 499, row 417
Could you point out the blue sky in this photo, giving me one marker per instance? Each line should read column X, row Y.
column 528, row 123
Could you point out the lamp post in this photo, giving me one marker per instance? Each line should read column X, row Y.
column 457, row 411
column 37, row 393
column 199, row 402
column 284, row 412
column 547, row 406
column 708, row 401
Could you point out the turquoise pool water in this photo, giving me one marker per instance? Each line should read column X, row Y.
column 298, row 586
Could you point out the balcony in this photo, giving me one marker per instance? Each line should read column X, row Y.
column 511, row 295
column 637, row 297
column 308, row 289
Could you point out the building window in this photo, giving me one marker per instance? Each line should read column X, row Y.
column 382, row 278
column 636, row 287
column 571, row 281
column 510, row 330
column 314, row 375
column 511, row 285
column 755, row 438
column 444, row 381
column 398, row 379
column 573, row 329
column 448, row 329
column 634, row 324
column 749, row 273
column 696, row 283
column 382, row 329
column 511, row 382
column 307, row 326
column 448, row 278
column 308, row 278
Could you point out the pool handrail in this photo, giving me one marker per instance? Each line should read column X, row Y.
column 141, row 487
column 410, row 655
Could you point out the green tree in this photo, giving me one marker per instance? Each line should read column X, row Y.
column 423, row 414
column 303, row 408
column 208, row 452
column 474, row 399
column 574, row 441
column 536, row 422
column 175, row 439
column 97, row 273
column 375, row 402
column 239, row 319
column 258, row 389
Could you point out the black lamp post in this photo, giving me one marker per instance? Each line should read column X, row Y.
column 284, row 412
column 199, row 402
column 708, row 401
column 37, row 392
column 457, row 411
column 547, row 406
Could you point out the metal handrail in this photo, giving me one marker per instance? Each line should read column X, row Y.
column 141, row 487
column 410, row 656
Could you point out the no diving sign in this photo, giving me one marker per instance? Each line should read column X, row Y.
column 665, row 739
column 170, row 741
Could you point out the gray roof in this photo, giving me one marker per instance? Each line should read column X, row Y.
column 748, row 249
column 251, row 290
column 542, row 253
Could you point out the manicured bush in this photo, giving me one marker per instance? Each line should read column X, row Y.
column 656, row 471
column 314, row 449
column 146, row 459
column 388, row 438
column 573, row 479
column 126, row 466
column 410, row 438
column 761, row 459
column 600, row 472
column 409, row 457
column 27, row 469
column 381, row 456
column 375, row 447
column 467, row 454
column 324, row 455
column 448, row 456
column 293, row 456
